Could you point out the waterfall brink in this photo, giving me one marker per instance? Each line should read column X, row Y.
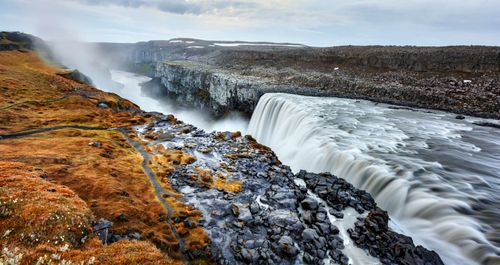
column 409, row 161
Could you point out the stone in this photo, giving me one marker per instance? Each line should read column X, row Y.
column 309, row 234
column 309, row 204
column 102, row 105
column 235, row 209
column 287, row 247
column 121, row 218
column 245, row 215
column 95, row 144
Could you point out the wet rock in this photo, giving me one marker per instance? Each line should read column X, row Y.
column 101, row 229
column 373, row 234
column 165, row 137
column 261, row 224
column 309, row 204
column 309, row 234
column 254, row 208
column 286, row 246
column 245, row 215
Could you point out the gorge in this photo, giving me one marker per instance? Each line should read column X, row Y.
column 260, row 162
column 425, row 167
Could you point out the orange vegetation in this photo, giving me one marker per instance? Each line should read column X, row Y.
column 95, row 173
column 109, row 177
column 43, row 221
column 185, row 217
column 34, row 96
column 206, row 178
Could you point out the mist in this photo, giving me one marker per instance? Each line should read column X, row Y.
column 102, row 70
column 68, row 49
column 131, row 90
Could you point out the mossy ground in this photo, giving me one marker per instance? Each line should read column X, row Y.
column 91, row 174
column 48, row 223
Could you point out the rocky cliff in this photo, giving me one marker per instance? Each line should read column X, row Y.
column 219, row 76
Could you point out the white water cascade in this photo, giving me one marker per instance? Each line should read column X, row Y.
column 437, row 176
column 132, row 91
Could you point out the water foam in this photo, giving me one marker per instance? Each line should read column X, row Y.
column 428, row 170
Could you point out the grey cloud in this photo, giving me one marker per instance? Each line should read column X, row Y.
column 178, row 6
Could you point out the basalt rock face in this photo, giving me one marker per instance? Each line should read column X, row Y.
column 202, row 88
column 19, row 41
column 215, row 90
column 461, row 79
column 16, row 41
column 240, row 87
column 373, row 234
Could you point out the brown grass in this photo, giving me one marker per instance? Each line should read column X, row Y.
column 45, row 221
column 28, row 82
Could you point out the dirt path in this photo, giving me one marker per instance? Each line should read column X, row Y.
column 159, row 191
column 49, row 129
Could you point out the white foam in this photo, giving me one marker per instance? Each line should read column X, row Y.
column 187, row 190
column 356, row 255
column 399, row 156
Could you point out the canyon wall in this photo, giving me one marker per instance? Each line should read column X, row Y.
column 224, row 76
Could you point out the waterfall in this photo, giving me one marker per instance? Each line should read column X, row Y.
column 425, row 169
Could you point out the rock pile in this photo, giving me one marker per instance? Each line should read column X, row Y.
column 277, row 217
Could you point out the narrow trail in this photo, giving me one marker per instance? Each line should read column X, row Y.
column 159, row 191
column 49, row 129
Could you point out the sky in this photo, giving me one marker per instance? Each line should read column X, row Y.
column 310, row 22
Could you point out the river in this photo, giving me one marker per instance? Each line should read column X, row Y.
column 132, row 91
column 437, row 176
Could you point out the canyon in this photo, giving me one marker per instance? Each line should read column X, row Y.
column 123, row 184
column 224, row 76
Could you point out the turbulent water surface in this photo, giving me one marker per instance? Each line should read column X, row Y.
column 436, row 175
column 131, row 90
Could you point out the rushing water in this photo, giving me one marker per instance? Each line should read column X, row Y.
column 439, row 177
column 131, row 90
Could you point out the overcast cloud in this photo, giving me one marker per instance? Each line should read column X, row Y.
column 312, row 22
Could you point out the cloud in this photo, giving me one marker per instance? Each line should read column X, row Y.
column 195, row 7
column 312, row 22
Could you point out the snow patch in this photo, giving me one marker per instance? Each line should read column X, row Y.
column 234, row 44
